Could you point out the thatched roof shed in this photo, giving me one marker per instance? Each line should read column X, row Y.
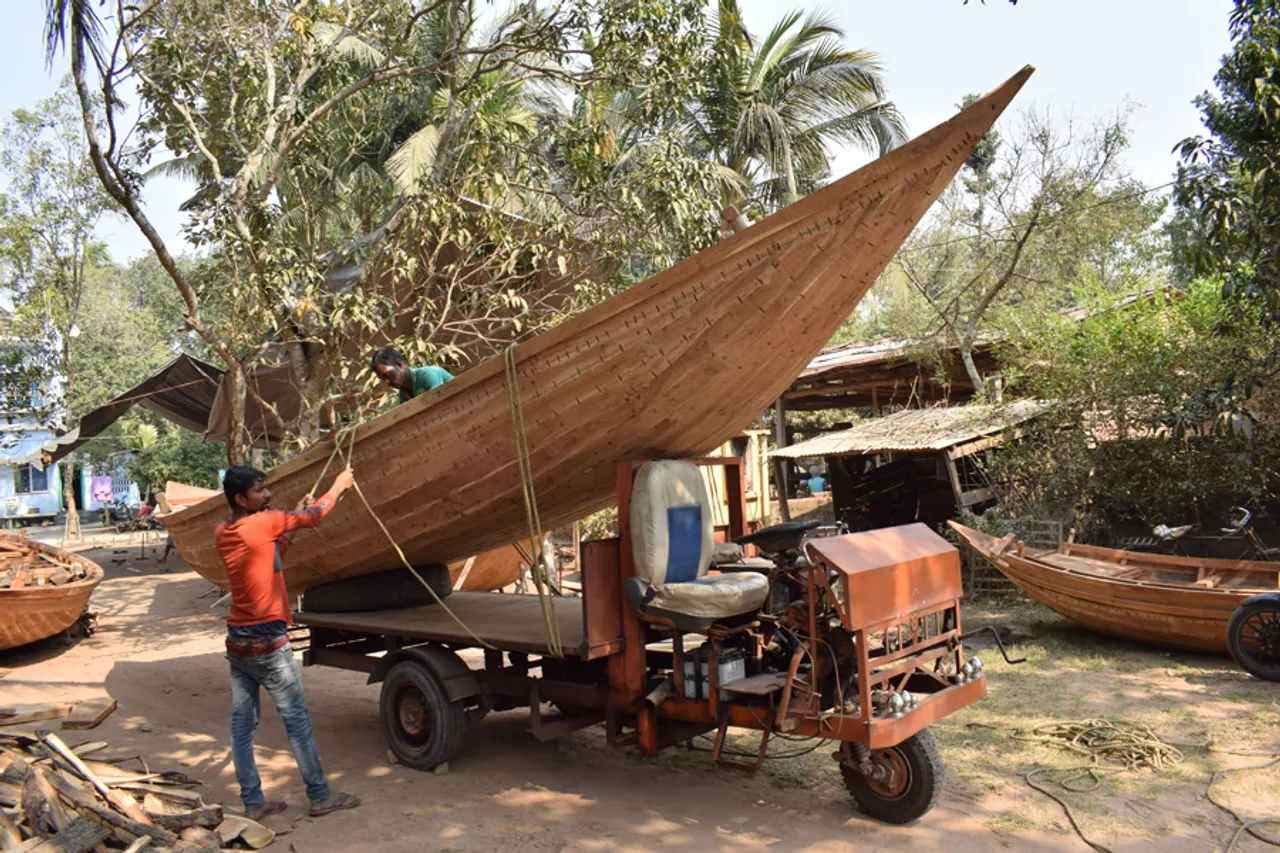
column 918, row 430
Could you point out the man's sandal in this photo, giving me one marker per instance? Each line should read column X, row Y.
column 336, row 803
column 270, row 807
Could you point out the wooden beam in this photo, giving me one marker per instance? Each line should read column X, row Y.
column 779, row 476
column 780, row 470
column 954, row 476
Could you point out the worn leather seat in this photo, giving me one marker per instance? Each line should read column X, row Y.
column 673, row 543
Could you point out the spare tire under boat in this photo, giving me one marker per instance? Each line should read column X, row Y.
column 389, row 590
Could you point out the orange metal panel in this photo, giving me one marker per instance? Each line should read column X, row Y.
column 885, row 733
column 891, row 572
column 602, row 602
column 628, row 682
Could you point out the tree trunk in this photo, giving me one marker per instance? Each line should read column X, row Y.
column 69, row 495
column 307, row 377
column 966, row 356
column 236, row 432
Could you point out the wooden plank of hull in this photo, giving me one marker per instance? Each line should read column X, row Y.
column 1265, row 573
column 672, row 367
column 1178, row 616
column 490, row 570
column 35, row 612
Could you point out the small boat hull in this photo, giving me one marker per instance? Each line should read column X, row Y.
column 1130, row 595
column 34, row 613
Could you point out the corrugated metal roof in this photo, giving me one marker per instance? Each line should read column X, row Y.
column 918, row 430
column 848, row 354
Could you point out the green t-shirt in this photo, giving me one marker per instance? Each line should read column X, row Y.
column 424, row 379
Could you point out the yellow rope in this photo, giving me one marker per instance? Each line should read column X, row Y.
column 538, row 568
column 1128, row 744
column 346, row 458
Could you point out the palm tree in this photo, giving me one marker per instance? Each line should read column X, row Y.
column 773, row 107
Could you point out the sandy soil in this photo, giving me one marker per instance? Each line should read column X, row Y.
column 157, row 651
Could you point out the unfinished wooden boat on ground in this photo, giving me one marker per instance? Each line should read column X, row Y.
column 43, row 590
column 1178, row 602
column 671, row 367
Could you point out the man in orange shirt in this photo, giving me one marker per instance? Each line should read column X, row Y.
column 252, row 544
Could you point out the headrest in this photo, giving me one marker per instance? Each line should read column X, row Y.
column 672, row 534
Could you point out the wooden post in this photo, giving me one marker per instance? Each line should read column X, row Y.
column 779, row 469
column 627, row 671
column 954, row 476
column 736, row 498
column 784, row 509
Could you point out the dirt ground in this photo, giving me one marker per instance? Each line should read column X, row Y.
column 157, row 651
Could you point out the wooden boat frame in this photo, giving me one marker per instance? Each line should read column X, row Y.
column 669, row 368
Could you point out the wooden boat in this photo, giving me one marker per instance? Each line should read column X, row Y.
column 1177, row 602
column 43, row 590
column 671, row 367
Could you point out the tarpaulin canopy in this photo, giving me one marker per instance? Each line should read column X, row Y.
column 182, row 391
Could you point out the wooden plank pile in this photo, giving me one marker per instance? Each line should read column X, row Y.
column 76, row 715
column 55, row 799
column 26, row 569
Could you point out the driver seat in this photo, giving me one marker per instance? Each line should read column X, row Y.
column 672, row 543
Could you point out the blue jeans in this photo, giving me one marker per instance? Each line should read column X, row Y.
column 280, row 674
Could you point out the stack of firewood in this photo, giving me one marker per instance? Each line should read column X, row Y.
column 20, row 569
column 56, row 799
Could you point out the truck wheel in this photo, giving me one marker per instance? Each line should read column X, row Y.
column 906, row 782
column 1253, row 635
column 387, row 590
column 422, row 727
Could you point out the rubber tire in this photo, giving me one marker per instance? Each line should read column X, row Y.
column 448, row 719
column 389, row 590
column 1234, row 628
column 927, row 774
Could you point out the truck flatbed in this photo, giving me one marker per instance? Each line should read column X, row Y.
column 509, row 622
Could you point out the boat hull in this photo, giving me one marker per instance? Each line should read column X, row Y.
column 1166, row 614
column 34, row 613
column 672, row 367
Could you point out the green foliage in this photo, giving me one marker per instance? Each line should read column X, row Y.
column 1228, row 187
column 49, row 207
column 1154, row 422
column 173, row 453
column 130, row 325
column 398, row 134
column 773, row 105
column 600, row 525
column 1040, row 210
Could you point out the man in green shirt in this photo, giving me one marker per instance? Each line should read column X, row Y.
column 410, row 382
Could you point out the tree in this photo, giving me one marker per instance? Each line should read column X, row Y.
column 131, row 325
column 1143, row 430
column 1228, row 188
column 773, row 106
column 51, row 205
column 1035, row 214
column 270, row 105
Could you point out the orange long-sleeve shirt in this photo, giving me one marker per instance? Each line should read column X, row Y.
column 252, row 550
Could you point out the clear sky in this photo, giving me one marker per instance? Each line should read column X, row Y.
column 1090, row 55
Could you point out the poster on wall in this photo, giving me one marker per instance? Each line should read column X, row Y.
column 100, row 489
